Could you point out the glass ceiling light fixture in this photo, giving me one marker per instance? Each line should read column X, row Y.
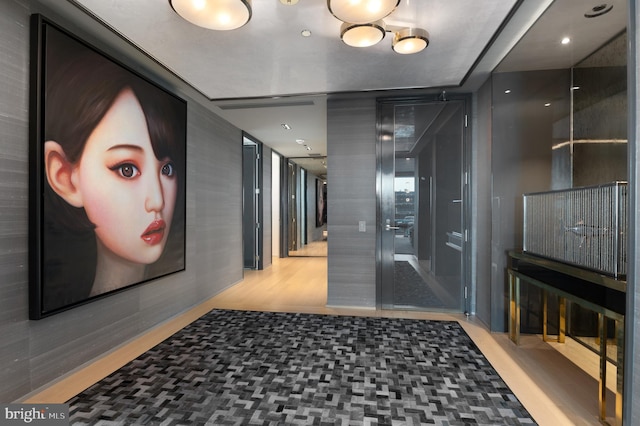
column 362, row 35
column 220, row 15
column 410, row 40
column 363, row 25
column 361, row 11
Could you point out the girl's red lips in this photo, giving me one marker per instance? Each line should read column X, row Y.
column 154, row 232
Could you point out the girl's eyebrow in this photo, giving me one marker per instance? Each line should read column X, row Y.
column 125, row 146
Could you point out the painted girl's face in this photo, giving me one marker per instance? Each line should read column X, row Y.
column 127, row 193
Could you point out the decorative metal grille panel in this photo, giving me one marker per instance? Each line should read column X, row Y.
column 586, row 227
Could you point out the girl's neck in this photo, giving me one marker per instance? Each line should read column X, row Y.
column 113, row 272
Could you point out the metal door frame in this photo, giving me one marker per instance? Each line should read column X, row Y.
column 385, row 131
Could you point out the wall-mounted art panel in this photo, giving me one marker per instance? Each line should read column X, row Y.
column 107, row 174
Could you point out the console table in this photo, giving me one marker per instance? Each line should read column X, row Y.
column 600, row 293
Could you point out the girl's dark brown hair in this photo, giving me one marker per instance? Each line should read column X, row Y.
column 78, row 93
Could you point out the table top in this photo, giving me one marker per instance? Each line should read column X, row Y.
column 571, row 270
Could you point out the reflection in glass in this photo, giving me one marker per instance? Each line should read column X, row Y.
column 599, row 143
column 424, row 231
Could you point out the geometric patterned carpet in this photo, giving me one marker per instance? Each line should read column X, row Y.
column 267, row 368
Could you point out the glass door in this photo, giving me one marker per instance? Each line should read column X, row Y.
column 421, row 184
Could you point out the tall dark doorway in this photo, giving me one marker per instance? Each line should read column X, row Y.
column 252, row 203
column 421, row 178
column 307, row 206
column 292, row 207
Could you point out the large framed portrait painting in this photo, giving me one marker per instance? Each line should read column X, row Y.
column 107, row 174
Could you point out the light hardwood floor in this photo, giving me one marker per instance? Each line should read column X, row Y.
column 556, row 383
column 313, row 249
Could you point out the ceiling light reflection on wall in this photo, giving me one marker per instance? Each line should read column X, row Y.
column 361, row 11
column 362, row 35
column 214, row 14
column 410, row 40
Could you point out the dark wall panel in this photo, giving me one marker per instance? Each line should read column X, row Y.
column 481, row 183
column 524, row 131
column 14, row 328
column 33, row 353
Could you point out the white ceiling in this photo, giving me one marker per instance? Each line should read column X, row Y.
column 265, row 74
column 269, row 56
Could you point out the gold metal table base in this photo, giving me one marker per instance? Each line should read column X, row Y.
column 604, row 315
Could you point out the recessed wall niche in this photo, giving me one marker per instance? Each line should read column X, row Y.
column 596, row 153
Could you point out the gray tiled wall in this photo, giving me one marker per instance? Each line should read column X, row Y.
column 33, row 353
column 351, row 197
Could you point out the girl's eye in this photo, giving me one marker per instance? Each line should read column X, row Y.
column 168, row 170
column 126, row 170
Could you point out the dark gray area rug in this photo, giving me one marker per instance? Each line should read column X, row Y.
column 410, row 289
column 262, row 368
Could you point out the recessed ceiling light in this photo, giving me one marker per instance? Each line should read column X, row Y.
column 305, row 33
column 299, row 141
column 598, row 10
column 507, row 91
column 566, row 40
column 575, row 88
column 548, row 104
column 286, row 126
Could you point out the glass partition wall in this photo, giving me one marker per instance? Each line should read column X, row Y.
column 598, row 147
column 558, row 128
